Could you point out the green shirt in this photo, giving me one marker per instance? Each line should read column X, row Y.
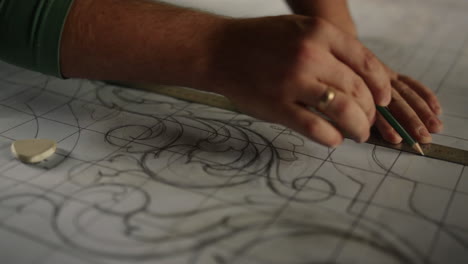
column 30, row 33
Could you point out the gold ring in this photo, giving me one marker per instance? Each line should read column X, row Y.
column 326, row 99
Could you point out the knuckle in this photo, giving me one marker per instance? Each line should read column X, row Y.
column 369, row 61
column 405, row 92
column 308, row 52
column 358, row 87
column 319, row 23
column 343, row 106
column 355, row 93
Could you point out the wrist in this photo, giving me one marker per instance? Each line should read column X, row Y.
column 182, row 55
column 220, row 56
column 333, row 11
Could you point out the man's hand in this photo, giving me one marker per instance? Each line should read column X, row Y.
column 276, row 68
column 273, row 68
column 413, row 104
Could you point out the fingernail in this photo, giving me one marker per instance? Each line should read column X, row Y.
column 396, row 138
column 362, row 139
column 337, row 143
column 433, row 123
column 388, row 98
column 423, row 132
column 437, row 109
column 384, row 102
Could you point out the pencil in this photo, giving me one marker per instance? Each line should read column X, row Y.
column 394, row 123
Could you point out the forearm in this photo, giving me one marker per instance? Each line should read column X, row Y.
column 137, row 41
column 334, row 11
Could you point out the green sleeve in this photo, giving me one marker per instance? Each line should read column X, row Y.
column 30, row 33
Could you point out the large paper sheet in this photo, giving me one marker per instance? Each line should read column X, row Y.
column 143, row 178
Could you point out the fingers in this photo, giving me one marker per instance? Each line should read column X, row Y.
column 409, row 119
column 419, row 105
column 311, row 125
column 361, row 60
column 386, row 130
column 424, row 92
column 341, row 77
column 345, row 113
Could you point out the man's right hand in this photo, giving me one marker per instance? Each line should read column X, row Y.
column 276, row 68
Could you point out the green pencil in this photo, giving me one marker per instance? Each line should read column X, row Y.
column 394, row 123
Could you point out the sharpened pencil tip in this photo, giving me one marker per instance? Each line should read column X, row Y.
column 418, row 148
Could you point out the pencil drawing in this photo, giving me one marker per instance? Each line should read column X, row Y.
column 145, row 178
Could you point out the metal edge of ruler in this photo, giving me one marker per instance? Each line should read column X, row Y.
column 187, row 94
column 435, row 151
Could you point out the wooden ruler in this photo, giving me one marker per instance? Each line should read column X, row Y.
column 191, row 95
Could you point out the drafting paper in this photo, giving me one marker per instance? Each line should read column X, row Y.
column 143, row 178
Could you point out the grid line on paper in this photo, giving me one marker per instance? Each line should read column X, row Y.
column 358, row 178
column 47, row 243
column 444, row 217
column 340, row 246
column 452, row 65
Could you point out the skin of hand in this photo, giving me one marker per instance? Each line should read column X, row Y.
column 334, row 11
column 413, row 104
column 273, row 68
